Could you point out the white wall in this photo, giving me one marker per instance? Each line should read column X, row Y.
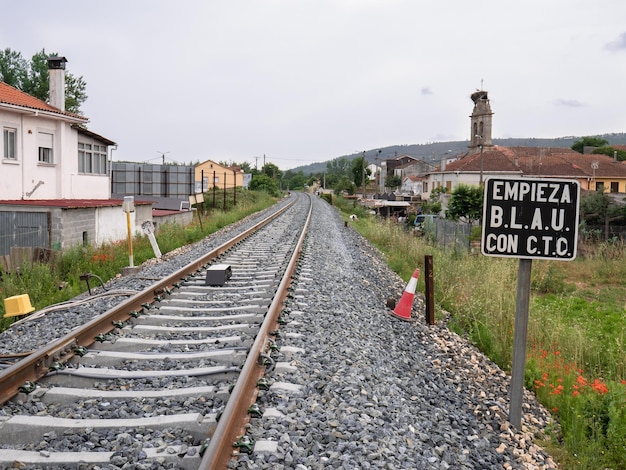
column 408, row 186
column 27, row 178
column 11, row 171
column 111, row 223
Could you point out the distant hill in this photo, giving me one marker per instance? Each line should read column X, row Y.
column 436, row 150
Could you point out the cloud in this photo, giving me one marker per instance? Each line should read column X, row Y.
column 568, row 103
column 619, row 44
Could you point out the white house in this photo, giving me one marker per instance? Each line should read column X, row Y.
column 55, row 188
column 411, row 185
column 45, row 153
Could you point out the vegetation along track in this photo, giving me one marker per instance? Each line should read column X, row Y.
column 167, row 376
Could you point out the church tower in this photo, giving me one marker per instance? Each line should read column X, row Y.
column 480, row 121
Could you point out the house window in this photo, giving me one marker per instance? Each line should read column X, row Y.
column 92, row 159
column 614, row 187
column 45, row 147
column 425, row 186
column 9, row 137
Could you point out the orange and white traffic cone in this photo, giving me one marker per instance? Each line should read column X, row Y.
column 404, row 307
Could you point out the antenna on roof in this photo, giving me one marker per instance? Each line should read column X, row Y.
column 481, row 84
column 162, row 155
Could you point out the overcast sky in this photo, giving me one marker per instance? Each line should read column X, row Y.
column 303, row 81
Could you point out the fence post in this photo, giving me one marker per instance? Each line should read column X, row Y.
column 430, row 295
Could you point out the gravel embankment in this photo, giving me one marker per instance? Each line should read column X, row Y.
column 376, row 391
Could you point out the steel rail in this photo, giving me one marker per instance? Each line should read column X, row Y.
column 37, row 364
column 235, row 415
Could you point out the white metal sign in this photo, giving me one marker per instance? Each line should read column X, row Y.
column 531, row 218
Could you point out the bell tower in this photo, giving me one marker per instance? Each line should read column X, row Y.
column 481, row 119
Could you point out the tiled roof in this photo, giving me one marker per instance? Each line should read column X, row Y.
column 93, row 135
column 165, row 212
column 537, row 161
column 413, row 178
column 13, row 96
column 69, row 203
column 400, row 157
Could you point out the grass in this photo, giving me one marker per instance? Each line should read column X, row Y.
column 576, row 353
column 48, row 284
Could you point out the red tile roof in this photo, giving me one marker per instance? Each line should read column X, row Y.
column 13, row 96
column 413, row 178
column 537, row 161
column 69, row 203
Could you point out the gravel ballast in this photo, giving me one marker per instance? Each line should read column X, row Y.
column 376, row 391
column 354, row 387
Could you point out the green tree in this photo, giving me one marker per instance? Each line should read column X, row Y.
column 32, row 77
column 360, row 171
column 466, row 203
column 335, row 170
column 611, row 152
column 13, row 69
column 598, row 208
column 434, row 205
column 245, row 166
column 262, row 182
column 38, row 83
column 271, row 170
column 75, row 93
column 293, row 180
column 393, row 181
column 580, row 145
column 344, row 184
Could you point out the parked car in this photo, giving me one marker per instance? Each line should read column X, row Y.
column 423, row 220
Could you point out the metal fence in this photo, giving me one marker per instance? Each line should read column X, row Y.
column 23, row 229
column 449, row 234
column 167, row 181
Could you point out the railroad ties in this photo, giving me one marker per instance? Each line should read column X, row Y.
column 156, row 386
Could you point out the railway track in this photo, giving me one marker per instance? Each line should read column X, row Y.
column 171, row 373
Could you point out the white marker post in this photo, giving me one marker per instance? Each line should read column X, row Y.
column 148, row 229
column 529, row 218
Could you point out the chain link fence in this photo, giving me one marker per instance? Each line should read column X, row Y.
column 448, row 234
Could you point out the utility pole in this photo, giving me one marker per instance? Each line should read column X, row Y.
column 162, row 156
column 377, row 176
column 363, row 174
column 480, row 139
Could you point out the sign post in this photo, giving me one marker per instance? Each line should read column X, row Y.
column 528, row 218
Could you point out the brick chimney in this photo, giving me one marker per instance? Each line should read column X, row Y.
column 56, row 69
